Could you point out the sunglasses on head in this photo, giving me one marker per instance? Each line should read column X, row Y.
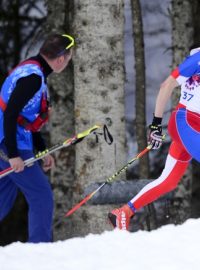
column 72, row 43
column 71, row 39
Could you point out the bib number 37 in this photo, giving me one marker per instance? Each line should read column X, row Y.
column 187, row 96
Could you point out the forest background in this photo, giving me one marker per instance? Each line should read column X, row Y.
column 124, row 50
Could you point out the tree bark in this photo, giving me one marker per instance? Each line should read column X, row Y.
column 182, row 35
column 195, row 164
column 99, row 94
column 140, row 97
column 196, row 22
column 182, row 39
column 140, row 101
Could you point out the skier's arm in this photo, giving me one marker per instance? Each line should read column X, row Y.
column 155, row 133
column 25, row 89
column 164, row 95
column 188, row 68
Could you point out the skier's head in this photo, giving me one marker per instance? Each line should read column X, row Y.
column 57, row 51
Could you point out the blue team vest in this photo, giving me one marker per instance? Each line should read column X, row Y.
column 31, row 109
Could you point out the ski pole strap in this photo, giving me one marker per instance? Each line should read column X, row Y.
column 107, row 135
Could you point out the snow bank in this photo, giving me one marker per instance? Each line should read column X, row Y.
column 168, row 248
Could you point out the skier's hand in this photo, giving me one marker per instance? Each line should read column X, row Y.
column 17, row 164
column 48, row 162
column 155, row 136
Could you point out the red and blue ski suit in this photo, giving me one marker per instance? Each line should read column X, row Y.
column 184, row 129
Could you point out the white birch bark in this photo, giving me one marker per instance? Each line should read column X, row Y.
column 99, row 94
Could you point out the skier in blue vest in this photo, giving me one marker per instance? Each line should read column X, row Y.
column 24, row 109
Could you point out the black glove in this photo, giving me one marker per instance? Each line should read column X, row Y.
column 155, row 134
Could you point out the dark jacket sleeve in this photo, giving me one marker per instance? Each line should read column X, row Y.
column 38, row 141
column 25, row 89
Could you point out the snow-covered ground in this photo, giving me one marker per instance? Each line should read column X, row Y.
column 168, row 248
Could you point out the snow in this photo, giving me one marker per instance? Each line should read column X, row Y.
column 167, row 248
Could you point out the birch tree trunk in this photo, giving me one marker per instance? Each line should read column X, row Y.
column 99, row 94
column 62, row 120
column 182, row 39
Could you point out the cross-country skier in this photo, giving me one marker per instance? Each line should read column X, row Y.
column 184, row 129
column 24, row 108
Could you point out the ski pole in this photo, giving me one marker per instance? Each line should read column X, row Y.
column 75, row 139
column 108, row 180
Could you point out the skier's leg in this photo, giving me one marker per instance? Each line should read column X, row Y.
column 8, row 192
column 174, row 169
column 35, row 186
column 175, row 166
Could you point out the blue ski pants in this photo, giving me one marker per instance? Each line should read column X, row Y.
column 35, row 186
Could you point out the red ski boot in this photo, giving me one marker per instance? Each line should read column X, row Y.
column 120, row 217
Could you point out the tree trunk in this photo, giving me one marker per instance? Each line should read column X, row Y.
column 195, row 164
column 182, row 39
column 99, row 94
column 182, row 35
column 140, row 97
column 62, row 120
column 140, row 101
column 196, row 22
